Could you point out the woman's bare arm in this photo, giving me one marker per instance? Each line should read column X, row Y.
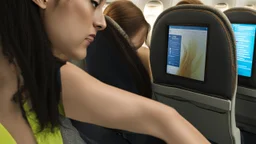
column 89, row 100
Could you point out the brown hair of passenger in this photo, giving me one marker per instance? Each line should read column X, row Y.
column 131, row 19
column 189, row 2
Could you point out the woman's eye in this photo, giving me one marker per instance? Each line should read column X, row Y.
column 94, row 3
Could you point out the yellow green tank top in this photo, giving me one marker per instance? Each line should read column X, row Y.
column 44, row 137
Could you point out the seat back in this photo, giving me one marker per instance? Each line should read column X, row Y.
column 194, row 70
column 244, row 25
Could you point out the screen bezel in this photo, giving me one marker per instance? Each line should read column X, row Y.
column 244, row 80
column 206, row 55
column 253, row 53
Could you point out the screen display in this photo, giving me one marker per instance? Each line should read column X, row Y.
column 187, row 51
column 245, row 39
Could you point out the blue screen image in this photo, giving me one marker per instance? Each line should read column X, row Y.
column 187, row 51
column 245, row 40
column 174, row 47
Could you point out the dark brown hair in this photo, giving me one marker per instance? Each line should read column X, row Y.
column 189, row 2
column 128, row 16
column 24, row 40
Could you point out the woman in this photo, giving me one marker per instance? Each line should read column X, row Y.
column 35, row 34
column 132, row 21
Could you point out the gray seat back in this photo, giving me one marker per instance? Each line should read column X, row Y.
column 208, row 102
column 246, row 91
column 69, row 134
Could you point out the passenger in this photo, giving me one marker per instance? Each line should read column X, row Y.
column 37, row 87
column 189, row 2
column 132, row 21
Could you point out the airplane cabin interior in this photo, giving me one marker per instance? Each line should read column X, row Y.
column 203, row 63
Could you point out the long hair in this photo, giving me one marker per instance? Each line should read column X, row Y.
column 128, row 16
column 189, row 2
column 131, row 59
column 25, row 41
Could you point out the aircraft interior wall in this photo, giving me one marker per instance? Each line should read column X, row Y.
column 215, row 3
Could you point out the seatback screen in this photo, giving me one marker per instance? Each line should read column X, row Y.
column 187, row 47
column 245, row 39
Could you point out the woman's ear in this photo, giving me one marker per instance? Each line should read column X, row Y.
column 41, row 3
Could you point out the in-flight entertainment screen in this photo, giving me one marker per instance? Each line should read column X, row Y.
column 245, row 39
column 187, row 46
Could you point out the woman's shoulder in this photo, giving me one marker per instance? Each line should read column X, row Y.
column 143, row 53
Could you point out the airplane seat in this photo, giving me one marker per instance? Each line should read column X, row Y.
column 193, row 61
column 105, row 63
column 244, row 25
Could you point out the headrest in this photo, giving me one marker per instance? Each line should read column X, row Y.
column 241, row 14
column 247, row 16
column 217, row 75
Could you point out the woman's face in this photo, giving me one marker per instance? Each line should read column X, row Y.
column 71, row 25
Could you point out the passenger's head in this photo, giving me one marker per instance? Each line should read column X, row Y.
column 189, row 2
column 72, row 24
column 33, row 31
column 131, row 19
